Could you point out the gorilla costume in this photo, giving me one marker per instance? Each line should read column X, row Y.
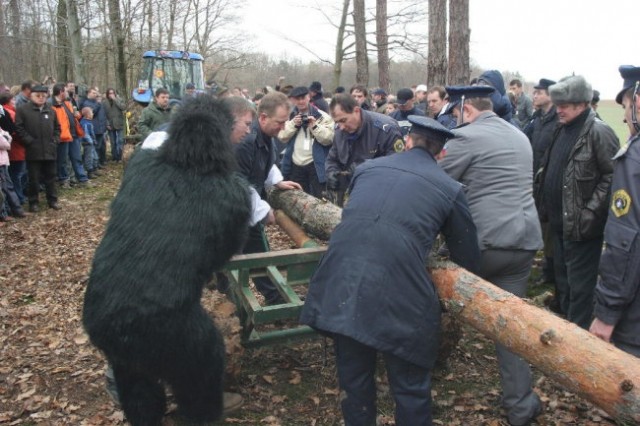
column 180, row 214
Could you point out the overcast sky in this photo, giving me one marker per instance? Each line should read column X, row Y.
column 538, row 38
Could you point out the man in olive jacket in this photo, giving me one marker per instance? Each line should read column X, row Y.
column 575, row 184
column 155, row 114
column 39, row 131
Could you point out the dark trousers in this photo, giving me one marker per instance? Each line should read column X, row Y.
column 45, row 172
column 257, row 243
column 307, row 177
column 410, row 385
column 12, row 201
column 509, row 270
column 576, row 270
column 18, row 173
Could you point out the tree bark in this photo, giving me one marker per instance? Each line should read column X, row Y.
column 362, row 58
column 118, row 38
column 437, row 59
column 382, row 41
column 584, row 364
column 75, row 41
column 459, row 36
column 337, row 66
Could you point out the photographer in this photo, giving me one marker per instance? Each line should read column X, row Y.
column 308, row 135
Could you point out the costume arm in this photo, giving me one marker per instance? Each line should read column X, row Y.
column 274, row 177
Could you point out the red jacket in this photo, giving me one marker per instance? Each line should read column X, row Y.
column 17, row 152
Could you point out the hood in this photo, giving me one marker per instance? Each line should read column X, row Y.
column 495, row 80
column 501, row 103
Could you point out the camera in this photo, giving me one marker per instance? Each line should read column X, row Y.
column 305, row 119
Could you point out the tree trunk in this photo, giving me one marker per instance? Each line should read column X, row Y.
column 382, row 40
column 459, row 36
column 437, row 60
column 584, row 364
column 63, row 58
column 337, row 67
column 362, row 59
column 75, row 39
column 18, row 62
column 117, row 35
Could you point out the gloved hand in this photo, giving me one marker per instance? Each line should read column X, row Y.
column 333, row 183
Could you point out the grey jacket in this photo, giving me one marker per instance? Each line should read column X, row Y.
column 587, row 180
column 494, row 161
column 115, row 113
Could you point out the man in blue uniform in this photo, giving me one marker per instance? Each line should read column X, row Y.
column 360, row 135
column 617, row 309
column 371, row 291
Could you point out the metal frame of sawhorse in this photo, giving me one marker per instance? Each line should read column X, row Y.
column 287, row 269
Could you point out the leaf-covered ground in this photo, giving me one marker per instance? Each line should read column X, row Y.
column 51, row 375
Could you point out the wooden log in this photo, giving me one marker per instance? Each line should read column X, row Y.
column 293, row 230
column 582, row 363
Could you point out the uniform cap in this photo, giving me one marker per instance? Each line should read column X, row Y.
column 296, row 92
column 631, row 75
column 457, row 92
column 315, row 86
column 404, row 96
column 544, row 84
column 429, row 128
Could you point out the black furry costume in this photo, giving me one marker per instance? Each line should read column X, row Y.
column 180, row 214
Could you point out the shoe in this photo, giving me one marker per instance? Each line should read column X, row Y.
column 54, row 205
column 65, row 184
column 530, row 421
column 96, row 172
column 86, row 184
column 231, row 401
column 19, row 213
column 34, row 208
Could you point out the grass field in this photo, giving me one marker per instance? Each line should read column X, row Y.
column 613, row 114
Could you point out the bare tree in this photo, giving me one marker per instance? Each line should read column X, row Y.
column 117, row 35
column 459, row 36
column 362, row 58
column 437, row 59
column 62, row 40
column 75, row 41
column 382, row 41
column 340, row 50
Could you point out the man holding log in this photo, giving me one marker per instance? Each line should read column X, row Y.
column 371, row 291
column 617, row 309
column 494, row 161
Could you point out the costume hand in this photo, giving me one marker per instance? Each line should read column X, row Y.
column 601, row 330
column 288, row 184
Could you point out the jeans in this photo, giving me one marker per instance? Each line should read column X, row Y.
column 576, row 270
column 410, row 385
column 116, row 137
column 89, row 156
column 72, row 151
column 12, row 201
column 18, row 173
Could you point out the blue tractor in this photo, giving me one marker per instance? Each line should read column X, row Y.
column 171, row 69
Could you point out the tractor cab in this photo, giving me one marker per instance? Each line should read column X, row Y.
column 171, row 69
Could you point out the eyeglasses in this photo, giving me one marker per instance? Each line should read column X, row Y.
column 40, row 95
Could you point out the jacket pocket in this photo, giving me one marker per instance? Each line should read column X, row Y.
column 616, row 267
column 589, row 225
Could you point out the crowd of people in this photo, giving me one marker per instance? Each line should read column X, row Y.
column 499, row 174
column 53, row 138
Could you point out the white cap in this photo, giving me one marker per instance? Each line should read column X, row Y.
column 421, row 88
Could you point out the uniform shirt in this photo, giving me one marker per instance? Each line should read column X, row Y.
column 379, row 135
column 372, row 284
column 616, row 294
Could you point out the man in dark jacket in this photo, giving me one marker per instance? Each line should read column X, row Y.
column 371, row 291
column 256, row 156
column 317, row 98
column 406, row 107
column 617, row 297
column 115, row 108
column 360, row 135
column 99, row 122
column 501, row 103
column 575, row 185
column 541, row 134
column 39, row 132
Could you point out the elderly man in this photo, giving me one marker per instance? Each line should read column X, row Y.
column 575, row 184
column 308, row 134
column 371, row 293
column 493, row 160
column 617, row 309
column 360, row 135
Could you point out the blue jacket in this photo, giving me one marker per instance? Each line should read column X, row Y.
column 372, row 284
column 501, row 103
column 99, row 115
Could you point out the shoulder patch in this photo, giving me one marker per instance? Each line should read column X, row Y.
column 620, row 202
column 398, row 145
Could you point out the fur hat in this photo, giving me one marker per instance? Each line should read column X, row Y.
column 571, row 90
